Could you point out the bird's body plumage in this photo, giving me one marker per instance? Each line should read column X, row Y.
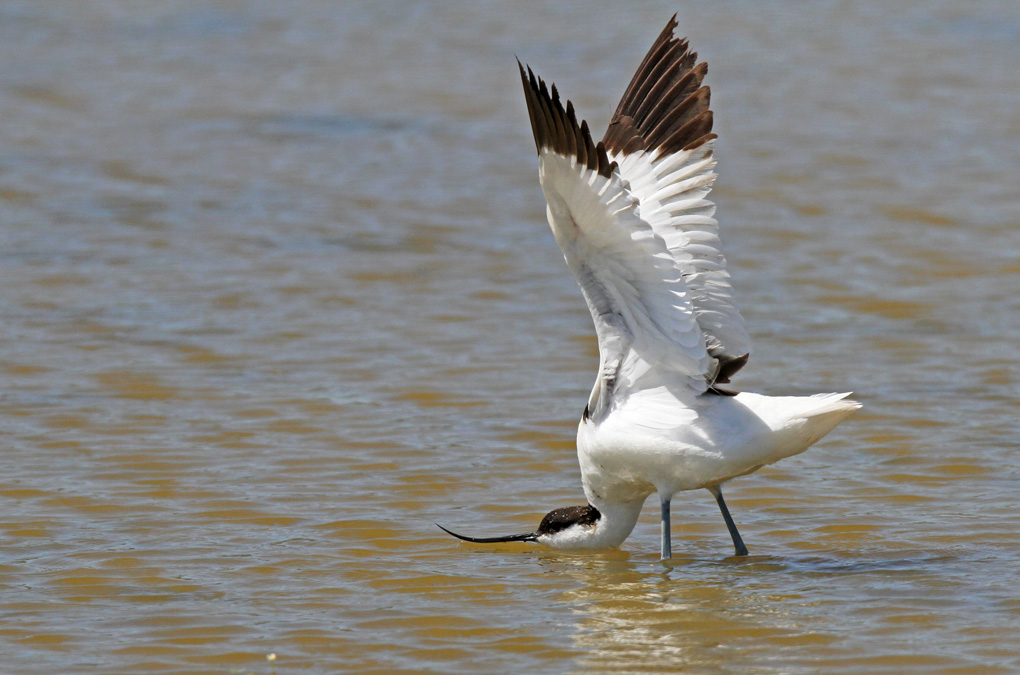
column 633, row 453
column 632, row 217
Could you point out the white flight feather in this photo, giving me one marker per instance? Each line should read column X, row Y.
column 642, row 309
column 672, row 191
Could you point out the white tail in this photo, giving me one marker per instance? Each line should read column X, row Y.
column 798, row 422
column 819, row 415
column 823, row 404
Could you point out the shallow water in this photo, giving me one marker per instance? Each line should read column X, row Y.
column 278, row 295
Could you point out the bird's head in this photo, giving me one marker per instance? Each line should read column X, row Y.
column 569, row 527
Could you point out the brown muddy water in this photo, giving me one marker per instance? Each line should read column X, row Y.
column 278, row 294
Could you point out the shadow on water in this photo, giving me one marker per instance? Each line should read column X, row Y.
column 811, row 565
column 579, row 564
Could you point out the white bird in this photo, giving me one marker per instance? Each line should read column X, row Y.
column 632, row 217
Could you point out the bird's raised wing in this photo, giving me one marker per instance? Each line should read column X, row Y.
column 661, row 140
column 640, row 304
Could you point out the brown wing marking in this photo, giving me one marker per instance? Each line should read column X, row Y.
column 665, row 106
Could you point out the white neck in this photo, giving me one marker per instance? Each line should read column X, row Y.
column 616, row 523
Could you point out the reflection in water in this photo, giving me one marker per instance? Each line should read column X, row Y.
column 761, row 613
column 635, row 618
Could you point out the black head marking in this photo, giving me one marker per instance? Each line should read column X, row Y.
column 561, row 519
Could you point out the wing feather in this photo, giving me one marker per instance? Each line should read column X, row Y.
column 641, row 307
column 661, row 140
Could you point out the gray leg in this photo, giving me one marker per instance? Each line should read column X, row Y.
column 667, row 548
column 738, row 543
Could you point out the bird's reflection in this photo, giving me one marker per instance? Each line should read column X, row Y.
column 638, row 614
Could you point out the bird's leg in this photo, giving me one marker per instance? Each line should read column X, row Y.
column 738, row 543
column 667, row 548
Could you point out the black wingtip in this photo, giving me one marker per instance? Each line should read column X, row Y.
column 556, row 128
column 664, row 104
column 728, row 367
column 530, row 536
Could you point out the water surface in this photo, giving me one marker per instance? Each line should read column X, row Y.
column 278, row 295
